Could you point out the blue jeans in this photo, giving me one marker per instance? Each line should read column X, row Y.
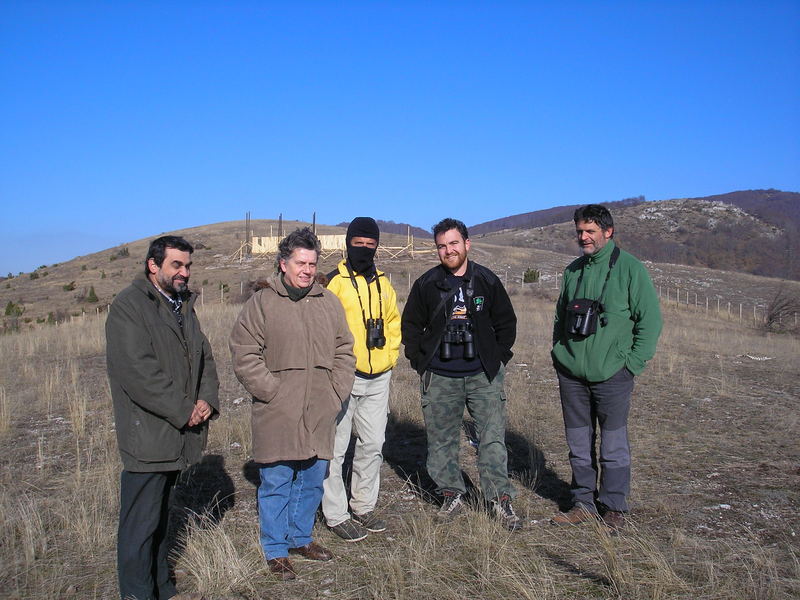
column 288, row 499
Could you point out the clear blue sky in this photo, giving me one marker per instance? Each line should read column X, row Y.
column 120, row 120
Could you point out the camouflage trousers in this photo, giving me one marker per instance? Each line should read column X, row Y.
column 443, row 402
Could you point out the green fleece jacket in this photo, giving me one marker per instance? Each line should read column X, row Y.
column 632, row 311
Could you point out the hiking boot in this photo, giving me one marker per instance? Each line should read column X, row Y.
column 505, row 513
column 350, row 531
column 452, row 504
column 574, row 516
column 371, row 522
column 614, row 520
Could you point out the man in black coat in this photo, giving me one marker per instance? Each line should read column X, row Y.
column 164, row 387
column 458, row 328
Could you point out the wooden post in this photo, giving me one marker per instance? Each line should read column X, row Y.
column 740, row 311
column 202, row 296
column 706, row 303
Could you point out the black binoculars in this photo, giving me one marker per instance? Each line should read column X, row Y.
column 582, row 317
column 457, row 333
column 375, row 337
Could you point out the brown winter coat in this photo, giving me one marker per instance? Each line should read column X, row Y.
column 296, row 359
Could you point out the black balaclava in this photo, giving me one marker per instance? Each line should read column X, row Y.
column 360, row 258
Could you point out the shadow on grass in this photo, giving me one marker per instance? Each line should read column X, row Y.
column 405, row 452
column 581, row 572
column 204, row 489
column 528, row 467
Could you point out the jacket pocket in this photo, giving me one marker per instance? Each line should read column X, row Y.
column 154, row 439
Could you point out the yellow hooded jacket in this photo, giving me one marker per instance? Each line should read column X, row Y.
column 369, row 362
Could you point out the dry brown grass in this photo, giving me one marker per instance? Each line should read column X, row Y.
column 715, row 493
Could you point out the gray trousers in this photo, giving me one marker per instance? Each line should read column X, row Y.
column 443, row 401
column 585, row 405
column 365, row 413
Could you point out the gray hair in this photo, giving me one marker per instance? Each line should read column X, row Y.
column 300, row 238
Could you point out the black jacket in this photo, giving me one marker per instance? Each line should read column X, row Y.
column 493, row 318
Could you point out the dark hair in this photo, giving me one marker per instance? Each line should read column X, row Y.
column 595, row 213
column 158, row 249
column 447, row 225
column 299, row 238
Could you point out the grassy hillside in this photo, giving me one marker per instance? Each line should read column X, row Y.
column 689, row 232
column 715, row 491
column 753, row 231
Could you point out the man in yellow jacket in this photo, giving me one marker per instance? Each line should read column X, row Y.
column 370, row 306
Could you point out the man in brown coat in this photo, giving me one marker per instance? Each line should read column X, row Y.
column 293, row 351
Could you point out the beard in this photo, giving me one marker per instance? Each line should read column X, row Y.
column 175, row 286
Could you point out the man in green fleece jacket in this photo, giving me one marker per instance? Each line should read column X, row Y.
column 596, row 357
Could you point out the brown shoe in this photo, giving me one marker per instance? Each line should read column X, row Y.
column 614, row 520
column 282, row 568
column 574, row 516
column 312, row 551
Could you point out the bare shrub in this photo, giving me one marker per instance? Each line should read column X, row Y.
column 781, row 312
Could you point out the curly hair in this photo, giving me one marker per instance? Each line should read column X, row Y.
column 447, row 225
column 299, row 238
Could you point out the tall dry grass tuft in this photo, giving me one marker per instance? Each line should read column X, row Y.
column 76, row 399
column 221, row 558
column 23, row 529
column 5, row 411
column 636, row 566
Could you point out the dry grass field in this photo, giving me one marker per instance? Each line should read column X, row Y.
column 716, row 489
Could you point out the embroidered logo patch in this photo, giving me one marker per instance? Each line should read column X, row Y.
column 478, row 300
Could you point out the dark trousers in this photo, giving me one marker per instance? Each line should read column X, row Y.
column 586, row 405
column 142, row 536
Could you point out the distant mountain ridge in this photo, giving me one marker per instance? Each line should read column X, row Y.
column 542, row 218
column 753, row 231
column 400, row 228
